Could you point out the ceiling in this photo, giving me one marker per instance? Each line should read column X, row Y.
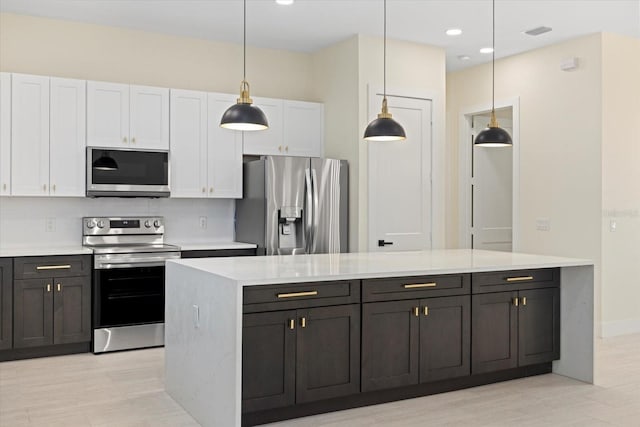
column 308, row 25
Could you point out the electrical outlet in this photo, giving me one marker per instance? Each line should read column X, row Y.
column 203, row 222
column 543, row 224
column 196, row 316
column 50, row 225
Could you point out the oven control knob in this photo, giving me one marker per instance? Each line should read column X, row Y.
column 91, row 223
column 101, row 224
column 157, row 223
column 147, row 224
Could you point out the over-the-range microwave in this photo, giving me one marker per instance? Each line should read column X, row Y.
column 116, row 172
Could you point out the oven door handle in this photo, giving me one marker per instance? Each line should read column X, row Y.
column 112, row 265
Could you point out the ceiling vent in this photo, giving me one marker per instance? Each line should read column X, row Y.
column 538, row 30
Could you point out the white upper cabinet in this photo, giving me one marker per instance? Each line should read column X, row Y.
column 188, row 144
column 224, row 151
column 296, row 128
column 303, row 128
column 29, row 135
column 5, row 134
column 149, row 117
column 67, row 140
column 268, row 141
column 123, row 116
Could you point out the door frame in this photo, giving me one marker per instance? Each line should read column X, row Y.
column 464, row 170
column 437, row 167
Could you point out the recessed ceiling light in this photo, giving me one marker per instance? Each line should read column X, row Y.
column 486, row 50
column 284, row 2
column 453, row 32
column 464, row 57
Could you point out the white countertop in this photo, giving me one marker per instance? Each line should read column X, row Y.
column 211, row 246
column 321, row 267
column 45, row 251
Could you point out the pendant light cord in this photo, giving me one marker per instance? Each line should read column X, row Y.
column 384, row 53
column 493, row 59
column 244, row 41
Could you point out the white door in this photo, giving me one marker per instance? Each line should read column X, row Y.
column 268, row 141
column 67, row 140
column 149, row 117
column 5, row 134
column 107, row 114
column 29, row 135
column 400, row 179
column 188, row 143
column 303, row 128
column 224, row 151
column 492, row 191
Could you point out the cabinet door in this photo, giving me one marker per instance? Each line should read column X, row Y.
column 149, row 115
column 5, row 134
column 188, row 143
column 494, row 337
column 539, row 326
column 303, row 128
column 29, row 135
column 268, row 360
column 445, row 338
column 390, row 334
column 107, row 114
column 268, row 141
column 33, row 313
column 328, row 352
column 72, row 310
column 225, row 152
column 6, row 304
column 68, row 138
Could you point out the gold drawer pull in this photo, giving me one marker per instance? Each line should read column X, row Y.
column 53, row 267
column 421, row 285
column 519, row 279
column 298, row 294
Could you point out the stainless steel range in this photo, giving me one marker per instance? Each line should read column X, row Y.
column 128, row 282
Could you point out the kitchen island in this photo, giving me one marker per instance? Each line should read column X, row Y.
column 324, row 316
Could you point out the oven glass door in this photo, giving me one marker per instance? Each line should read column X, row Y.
column 128, row 296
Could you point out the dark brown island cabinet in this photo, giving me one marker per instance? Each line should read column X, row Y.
column 309, row 348
column 6, row 304
column 51, row 306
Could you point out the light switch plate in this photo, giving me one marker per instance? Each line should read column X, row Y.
column 613, row 225
column 543, row 224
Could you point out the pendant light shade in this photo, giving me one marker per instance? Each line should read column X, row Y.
column 244, row 115
column 384, row 128
column 105, row 163
column 493, row 135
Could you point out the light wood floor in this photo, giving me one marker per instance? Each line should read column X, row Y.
column 126, row 389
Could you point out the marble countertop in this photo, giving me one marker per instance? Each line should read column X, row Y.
column 321, row 267
column 45, row 251
column 211, row 246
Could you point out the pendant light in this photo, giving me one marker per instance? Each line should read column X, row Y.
column 244, row 115
column 384, row 128
column 493, row 135
column 105, row 163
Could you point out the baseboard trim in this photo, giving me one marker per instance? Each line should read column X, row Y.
column 44, row 351
column 620, row 327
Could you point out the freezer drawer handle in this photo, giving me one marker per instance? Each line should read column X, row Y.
column 421, row 285
column 519, row 279
column 53, row 267
column 383, row 243
column 298, row 294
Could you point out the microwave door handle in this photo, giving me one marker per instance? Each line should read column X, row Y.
column 308, row 215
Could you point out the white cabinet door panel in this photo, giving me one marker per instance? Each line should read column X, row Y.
column 107, row 114
column 225, row 152
column 29, row 135
column 268, row 141
column 303, row 128
column 188, row 144
column 5, row 134
column 149, row 115
column 67, row 140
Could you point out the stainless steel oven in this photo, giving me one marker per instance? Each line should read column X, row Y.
column 128, row 281
column 127, row 173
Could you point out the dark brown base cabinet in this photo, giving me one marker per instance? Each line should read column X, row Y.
column 6, row 304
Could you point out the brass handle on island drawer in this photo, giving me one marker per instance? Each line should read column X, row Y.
column 303, row 322
column 421, row 285
column 416, row 311
column 519, row 279
column 53, row 267
column 426, row 310
column 59, row 286
column 516, row 302
column 292, row 324
column 523, row 300
column 298, row 294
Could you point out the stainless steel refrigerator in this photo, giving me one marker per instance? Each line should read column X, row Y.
column 294, row 205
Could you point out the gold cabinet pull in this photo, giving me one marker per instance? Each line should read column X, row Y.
column 298, row 294
column 44, row 187
column 286, row 148
column 303, row 322
column 280, row 148
column 48, row 287
column 420, row 285
column 211, row 190
column 524, row 300
column 292, row 324
column 133, row 140
column 426, row 310
column 53, row 187
column 4, row 186
column 519, row 279
column 416, row 311
column 204, row 190
column 516, row 301
column 124, row 139
column 59, row 286
column 53, row 267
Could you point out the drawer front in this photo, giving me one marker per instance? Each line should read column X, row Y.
column 514, row 280
column 400, row 288
column 300, row 295
column 51, row 266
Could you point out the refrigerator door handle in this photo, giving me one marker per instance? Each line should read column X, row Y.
column 316, row 219
column 308, row 215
